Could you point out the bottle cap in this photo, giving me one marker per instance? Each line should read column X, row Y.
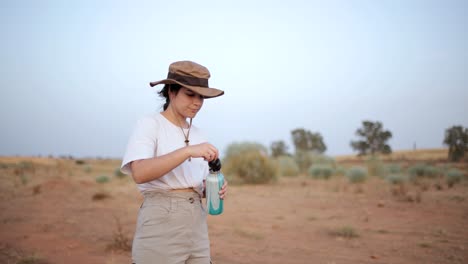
column 215, row 165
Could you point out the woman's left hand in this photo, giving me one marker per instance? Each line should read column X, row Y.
column 223, row 191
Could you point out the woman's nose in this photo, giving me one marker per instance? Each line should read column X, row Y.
column 198, row 99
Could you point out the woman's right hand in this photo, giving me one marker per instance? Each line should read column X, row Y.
column 203, row 150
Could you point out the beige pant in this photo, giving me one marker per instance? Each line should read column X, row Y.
column 171, row 228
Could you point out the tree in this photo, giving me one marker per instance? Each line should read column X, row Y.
column 305, row 140
column 374, row 139
column 456, row 138
column 278, row 148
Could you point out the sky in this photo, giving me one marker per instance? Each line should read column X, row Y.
column 74, row 75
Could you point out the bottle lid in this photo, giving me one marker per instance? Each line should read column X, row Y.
column 215, row 165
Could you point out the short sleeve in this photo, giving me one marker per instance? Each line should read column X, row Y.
column 142, row 143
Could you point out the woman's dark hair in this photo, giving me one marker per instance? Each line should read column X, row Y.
column 165, row 92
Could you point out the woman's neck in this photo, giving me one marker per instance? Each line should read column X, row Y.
column 175, row 118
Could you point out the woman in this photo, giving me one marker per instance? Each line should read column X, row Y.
column 168, row 159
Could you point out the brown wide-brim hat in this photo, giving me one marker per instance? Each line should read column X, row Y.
column 192, row 76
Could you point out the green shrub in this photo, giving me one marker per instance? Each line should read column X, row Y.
column 102, row 179
column 321, row 171
column 396, row 178
column 340, row 170
column 417, row 170
column 422, row 170
column 322, row 159
column 431, row 172
column 393, row 168
column 305, row 159
column 287, row 166
column 249, row 164
column 356, row 174
column 88, row 169
column 453, row 176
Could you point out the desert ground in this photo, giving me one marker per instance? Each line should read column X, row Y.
column 64, row 210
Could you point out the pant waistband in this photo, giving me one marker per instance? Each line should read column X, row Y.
column 175, row 193
column 183, row 190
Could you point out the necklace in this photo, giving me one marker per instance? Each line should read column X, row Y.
column 186, row 136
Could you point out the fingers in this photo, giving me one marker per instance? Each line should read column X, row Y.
column 223, row 191
column 211, row 153
column 204, row 150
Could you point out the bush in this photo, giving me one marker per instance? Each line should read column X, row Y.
column 453, row 176
column 393, row 169
column 356, row 174
column 422, row 170
column 340, row 170
column 102, row 179
column 322, row 171
column 305, row 159
column 249, row 163
column 396, row 178
column 88, row 169
column 239, row 148
column 80, row 162
column 287, row 166
column 345, row 232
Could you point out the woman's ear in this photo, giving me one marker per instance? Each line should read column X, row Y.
column 171, row 94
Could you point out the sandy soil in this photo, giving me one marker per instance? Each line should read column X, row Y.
column 49, row 215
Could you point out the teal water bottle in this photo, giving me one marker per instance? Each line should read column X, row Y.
column 214, row 182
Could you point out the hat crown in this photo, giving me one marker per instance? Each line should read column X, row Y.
column 189, row 68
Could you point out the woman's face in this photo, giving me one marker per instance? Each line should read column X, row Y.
column 187, row 103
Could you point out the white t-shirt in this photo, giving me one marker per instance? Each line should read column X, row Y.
column 154, row 136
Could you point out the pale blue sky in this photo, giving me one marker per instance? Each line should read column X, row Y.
column 74, row 76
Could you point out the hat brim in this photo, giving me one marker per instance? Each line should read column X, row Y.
column 204, row 91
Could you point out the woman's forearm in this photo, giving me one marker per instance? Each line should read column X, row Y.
column 146, row 170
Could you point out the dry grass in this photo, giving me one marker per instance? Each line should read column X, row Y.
column 120, row 240
column 402, row 155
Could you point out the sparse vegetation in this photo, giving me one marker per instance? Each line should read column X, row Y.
column 321, row 171
column 393, row 168
column 120, row 241
column 80, row 162
column 356, row 174
column 100, row 196
column 345, row 232
column 32, row 260
column 453, row 176
column 88, row 168
column 375, row 166
column 102, row 179
column 396, row 178
column 248, row 163
column 422, row 170
column 287, row 166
